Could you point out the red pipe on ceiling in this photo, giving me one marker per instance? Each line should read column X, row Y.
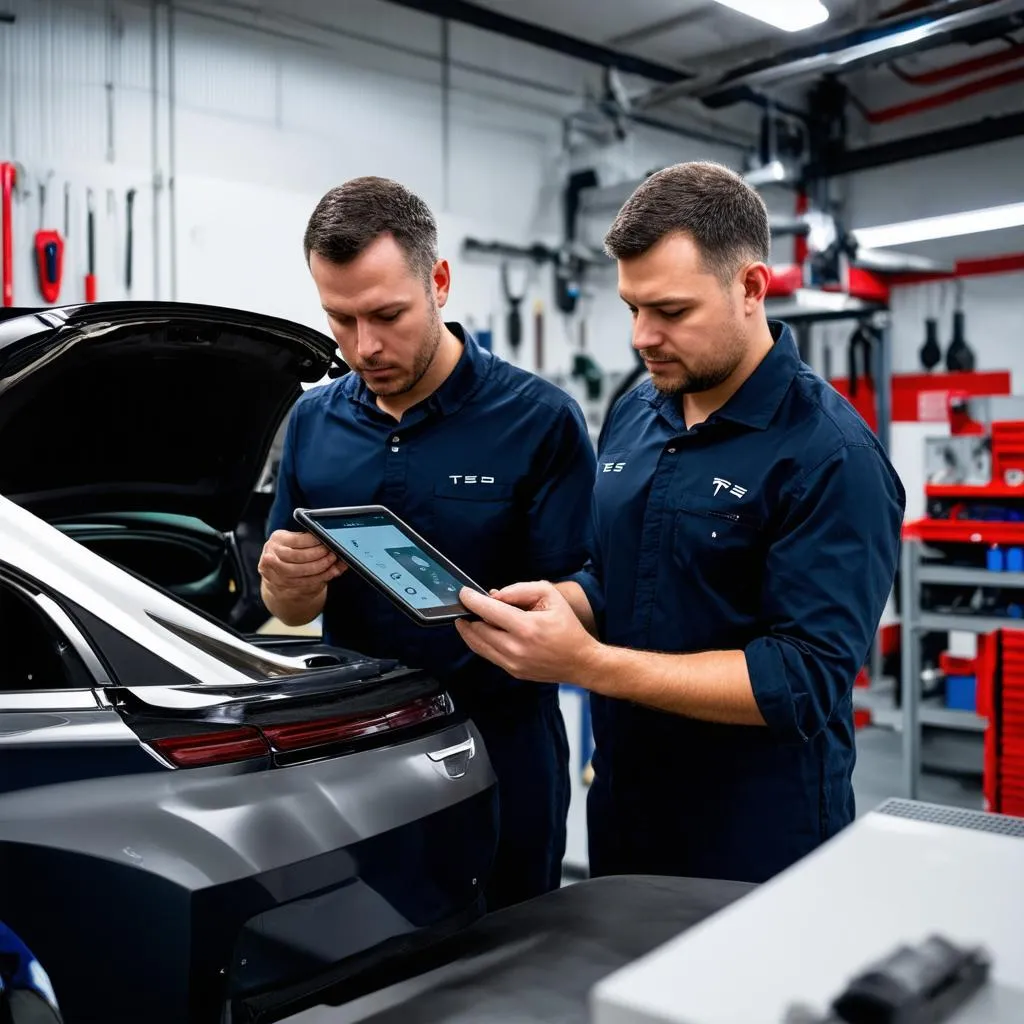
column 966, row 67
column 942, row 99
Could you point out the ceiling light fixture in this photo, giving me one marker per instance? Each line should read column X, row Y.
column 788, row 15
column 993, row 218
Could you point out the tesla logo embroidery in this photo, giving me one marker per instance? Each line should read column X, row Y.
column 471, row 479
column 613, row 467
column 725, row 485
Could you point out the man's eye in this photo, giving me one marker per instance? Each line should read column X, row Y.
column 672, row 314
column 390, row 318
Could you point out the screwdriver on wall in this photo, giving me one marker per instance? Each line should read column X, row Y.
column 90, row 277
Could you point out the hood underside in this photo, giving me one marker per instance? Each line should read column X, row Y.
column 146, row 406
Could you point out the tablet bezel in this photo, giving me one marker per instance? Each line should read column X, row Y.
column 440, row 616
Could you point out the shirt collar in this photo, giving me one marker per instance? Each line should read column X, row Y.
column 759, row 397
column 470, row 371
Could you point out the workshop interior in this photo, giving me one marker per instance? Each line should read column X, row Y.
column 209, row 816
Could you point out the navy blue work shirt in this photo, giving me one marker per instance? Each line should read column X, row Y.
column 495, row 469
column 772, row 528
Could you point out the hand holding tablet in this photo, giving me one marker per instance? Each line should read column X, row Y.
column 389, row 555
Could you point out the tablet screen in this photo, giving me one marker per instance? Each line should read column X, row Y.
column 385, row 551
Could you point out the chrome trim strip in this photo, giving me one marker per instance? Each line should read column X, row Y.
column 465, row 747
column 56, row 729
column 66, row 625
column 48, row 700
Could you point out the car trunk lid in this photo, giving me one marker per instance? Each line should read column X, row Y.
column 146, row 406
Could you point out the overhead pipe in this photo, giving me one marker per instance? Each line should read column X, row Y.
column 849, row 50
column 942, row 99
column 963, row 68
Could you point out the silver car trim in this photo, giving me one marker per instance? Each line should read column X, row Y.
column 59, row 729
column 66, row 569
column 48, row 700
column 74, row 636
column 465, row 747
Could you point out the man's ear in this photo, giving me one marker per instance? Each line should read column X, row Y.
column 755, row 279
column 441, row 281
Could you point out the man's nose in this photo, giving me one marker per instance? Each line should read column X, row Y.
column 645, row 333
column 367, row 344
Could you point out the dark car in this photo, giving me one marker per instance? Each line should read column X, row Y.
column 204, row 825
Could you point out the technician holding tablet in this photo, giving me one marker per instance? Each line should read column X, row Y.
column 748, row 527
column 491, row 464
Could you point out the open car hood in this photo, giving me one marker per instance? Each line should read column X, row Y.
column 146, row 406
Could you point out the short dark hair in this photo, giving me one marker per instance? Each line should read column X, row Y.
column 726, row 218
column 352, row 216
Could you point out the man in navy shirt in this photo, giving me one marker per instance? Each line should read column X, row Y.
column 493, row 465
column 747, row 530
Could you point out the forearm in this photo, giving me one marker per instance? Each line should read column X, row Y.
column 712, row 686
column 574, row 594
column 291, row 608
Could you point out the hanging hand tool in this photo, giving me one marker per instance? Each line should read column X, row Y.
column 67, row 210
column 130, row 205
column 8, row 180
column 90, row 277
column 861, row 342
column 538, row 336
column 959, row 356
column 49, row 249
column 930, row 352
column 514, row 324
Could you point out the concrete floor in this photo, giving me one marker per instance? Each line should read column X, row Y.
column 879, row 775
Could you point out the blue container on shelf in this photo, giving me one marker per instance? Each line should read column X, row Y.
column 994, row 561
column 1015, row 559
column 961, row 693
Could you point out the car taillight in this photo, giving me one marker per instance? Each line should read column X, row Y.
column 211, row 748
column 303, row 735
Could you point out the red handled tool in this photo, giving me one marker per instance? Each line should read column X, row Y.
column 8, row 177
column 90, row 277
column 49, row 246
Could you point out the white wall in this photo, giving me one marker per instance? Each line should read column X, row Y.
column 252, row 124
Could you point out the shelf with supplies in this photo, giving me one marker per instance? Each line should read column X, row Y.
column 920, row 568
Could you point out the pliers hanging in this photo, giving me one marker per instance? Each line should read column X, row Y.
column 861, row 343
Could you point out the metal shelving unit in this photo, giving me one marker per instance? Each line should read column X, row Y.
column 916, row 711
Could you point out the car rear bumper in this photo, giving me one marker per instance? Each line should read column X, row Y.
column 158, row 897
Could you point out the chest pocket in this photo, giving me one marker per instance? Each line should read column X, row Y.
column 474, row 523
column 724, row 548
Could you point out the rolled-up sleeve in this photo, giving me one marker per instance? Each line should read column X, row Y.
column 829, row 573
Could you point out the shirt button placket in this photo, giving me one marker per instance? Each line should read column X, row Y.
column 395, row 470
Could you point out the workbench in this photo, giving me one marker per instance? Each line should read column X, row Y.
column 536, row 963
column 896, row 876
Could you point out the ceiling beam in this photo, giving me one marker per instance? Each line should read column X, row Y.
column 947, row 140
column 527, row 32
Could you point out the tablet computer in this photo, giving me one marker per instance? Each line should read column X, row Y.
column 389, row 555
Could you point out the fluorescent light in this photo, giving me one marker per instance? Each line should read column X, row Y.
column 789, row 15
column 970, row 222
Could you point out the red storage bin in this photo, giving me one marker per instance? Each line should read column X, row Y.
column 1001, row 700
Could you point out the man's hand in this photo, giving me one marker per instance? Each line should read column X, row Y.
column 296, row 568
column 530, row 631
